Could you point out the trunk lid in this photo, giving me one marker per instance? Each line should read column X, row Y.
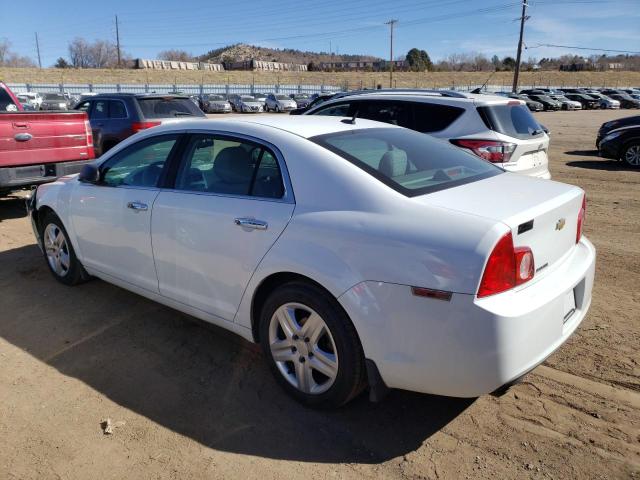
column 542, row 214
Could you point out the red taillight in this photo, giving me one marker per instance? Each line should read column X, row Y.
column 89, row 139
column 137, row 126
column 491, row 150
column 581, row 217
column 506, row 267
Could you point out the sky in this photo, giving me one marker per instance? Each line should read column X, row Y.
column 342, row 26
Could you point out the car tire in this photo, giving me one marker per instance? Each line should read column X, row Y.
column 325, row 369
column 58, row 252
column 277, row 108
column 631, row 154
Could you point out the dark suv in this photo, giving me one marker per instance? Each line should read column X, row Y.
column 116, row 116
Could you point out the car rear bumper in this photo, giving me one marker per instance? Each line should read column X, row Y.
column 467, row 346
column 12, row 178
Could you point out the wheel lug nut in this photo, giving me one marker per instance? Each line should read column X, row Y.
column 310, row 354
column 294, row 349
column 302, row 359
column 306, row 339
column 295, row 337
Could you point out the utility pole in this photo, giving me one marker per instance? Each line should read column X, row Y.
column 391, row 24
column 118, row 41
column 38, row 49
column 516, row 74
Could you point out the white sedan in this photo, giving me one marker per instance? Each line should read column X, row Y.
column 358, row 254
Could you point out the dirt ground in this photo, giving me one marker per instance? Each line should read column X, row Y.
column 198, row 403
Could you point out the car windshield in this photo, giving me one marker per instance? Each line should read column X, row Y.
column 247, row 98
column 282, row 97
column 407, row 161
column 216, row 97
column 512, row 120
column 55, row 96
column 300, row 97
column 168, row 107
column 259, row 96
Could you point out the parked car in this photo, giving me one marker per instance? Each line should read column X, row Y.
column 335, row 275
column 117, row 116
column 549, row 103
column 214, row 103
column 500, row 130
column 617, row 125
column 25, row 101
column 587, row 102
column 302, row 99
column 277, row 102
column 261, row 97
column 626, row 100
column 540, row 91
column 567, row 104
column 34, row 98
column 245, row 104
column 54, row 101
column 38, row 147
column 317, row 99
column 604, row 101
column 622, row 144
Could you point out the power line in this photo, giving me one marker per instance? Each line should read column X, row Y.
column 584, row 48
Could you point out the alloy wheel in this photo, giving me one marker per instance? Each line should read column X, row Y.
column 57, row 250
column 303, row 348
column 632, row 155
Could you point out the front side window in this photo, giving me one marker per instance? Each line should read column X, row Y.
column 220, row 164
column 140, row 165
column 84, row 106
column 410, row 162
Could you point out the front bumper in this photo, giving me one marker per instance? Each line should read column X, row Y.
column 610, row 149
column 467, row 346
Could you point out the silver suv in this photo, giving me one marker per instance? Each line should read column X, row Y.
column 500, row 130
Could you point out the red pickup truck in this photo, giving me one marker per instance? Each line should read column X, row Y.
column 38, row 147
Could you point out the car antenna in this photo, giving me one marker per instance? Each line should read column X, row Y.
column 353, row 119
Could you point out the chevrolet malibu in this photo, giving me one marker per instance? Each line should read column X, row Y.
column 358, row 254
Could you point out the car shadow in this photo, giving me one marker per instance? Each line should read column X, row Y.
column 602, row 164
column 583, row 153
column 199, row 381
column 12, row 207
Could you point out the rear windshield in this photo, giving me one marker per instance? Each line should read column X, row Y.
column 410, row 162
column 169, row 108
column 513, row 120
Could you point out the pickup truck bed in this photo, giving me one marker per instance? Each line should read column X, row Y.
column 38, row 147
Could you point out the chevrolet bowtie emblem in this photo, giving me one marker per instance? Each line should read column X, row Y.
column 560, row 224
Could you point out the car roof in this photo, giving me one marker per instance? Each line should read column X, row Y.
column 448, row 95
column 302, row 126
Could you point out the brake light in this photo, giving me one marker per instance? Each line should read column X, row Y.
column 88, row 134
column 137, row 126
column 507, row 267
column 581, row 217
column 491, row 150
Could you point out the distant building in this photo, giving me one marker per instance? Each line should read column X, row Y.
column 375, row 65
column 260, row 65
column 170, row 65
column 615, row 66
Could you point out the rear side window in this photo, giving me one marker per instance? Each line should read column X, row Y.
column 512, row 120
column 395, row 113
column 407, row 161
column 429, row 117
column 100, row 110
column 169, row 107
column 117, row 109
column 339, row 110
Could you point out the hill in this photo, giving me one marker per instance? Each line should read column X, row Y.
column 241, row 51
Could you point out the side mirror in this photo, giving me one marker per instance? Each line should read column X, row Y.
column 89, row 174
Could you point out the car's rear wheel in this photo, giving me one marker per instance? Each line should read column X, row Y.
column 58, row 252
column 631, row 154
column 311, row 345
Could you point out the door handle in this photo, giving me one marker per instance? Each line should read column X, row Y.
column 251, row 223
column 23, row 137
column 138, row 206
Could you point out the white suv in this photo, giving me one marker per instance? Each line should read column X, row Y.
column 500, row 130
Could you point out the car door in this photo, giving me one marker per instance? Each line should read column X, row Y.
column 98, row 115
column 112, row 218
column 230, row 202
column 118, row 126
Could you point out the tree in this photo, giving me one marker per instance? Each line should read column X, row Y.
column 12, row 59
column 418, row 60
column 99, row 54
column 61, row 63
column 509, row 63
column 495, row 61
column 176, row 56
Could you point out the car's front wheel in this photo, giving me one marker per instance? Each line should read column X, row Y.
column 631, row 154
column 58, row 252
column 311, row 345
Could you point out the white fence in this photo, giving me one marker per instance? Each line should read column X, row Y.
column 189, row 89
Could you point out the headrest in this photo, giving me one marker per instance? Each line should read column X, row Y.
column 394, row 163
column 232, row 165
